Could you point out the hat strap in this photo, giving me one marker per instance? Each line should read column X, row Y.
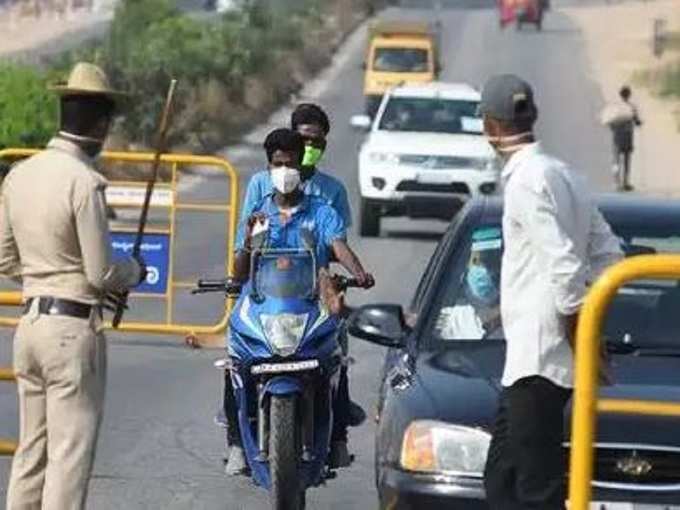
column 79, row 138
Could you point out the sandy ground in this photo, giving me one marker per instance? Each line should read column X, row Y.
column 24, row 33
column 619, row 43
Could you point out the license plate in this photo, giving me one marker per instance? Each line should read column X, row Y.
column 433, row 178
column 277, row 368
column 604, row 505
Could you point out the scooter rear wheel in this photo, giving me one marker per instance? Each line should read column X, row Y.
column 286, row 491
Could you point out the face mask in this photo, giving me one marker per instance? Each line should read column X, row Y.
column 312, row 156
column 90, row 146
column 285, row 179
column 505, row 145
column 481, row 286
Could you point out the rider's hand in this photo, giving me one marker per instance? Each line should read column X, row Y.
column 331, row 296
column 365, row 280
column 253, row 220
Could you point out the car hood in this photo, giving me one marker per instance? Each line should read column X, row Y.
column 433, row 144
column 642, row 378
column 462, row 386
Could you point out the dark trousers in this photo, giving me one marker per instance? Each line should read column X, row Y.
column 622, row 161
column 525, row 468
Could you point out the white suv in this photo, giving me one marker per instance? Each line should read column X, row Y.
column 424, row 155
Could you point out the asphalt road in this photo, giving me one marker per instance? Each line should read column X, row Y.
column 159, row 447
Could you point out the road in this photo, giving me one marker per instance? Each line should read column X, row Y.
column 159, row 447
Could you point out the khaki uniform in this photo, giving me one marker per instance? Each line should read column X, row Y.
column 54, row 237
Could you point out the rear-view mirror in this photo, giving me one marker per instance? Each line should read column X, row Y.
column 384, row 325
column 362, row 122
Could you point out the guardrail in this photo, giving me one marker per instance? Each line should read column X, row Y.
column 7, row 446
column 229, row 209
column 586, row 401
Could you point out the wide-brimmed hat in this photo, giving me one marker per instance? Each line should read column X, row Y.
column 87, row 80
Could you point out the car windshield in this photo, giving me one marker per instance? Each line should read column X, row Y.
column 431, row 115
column 284, row 274
column 643, row 315
column 400, row 60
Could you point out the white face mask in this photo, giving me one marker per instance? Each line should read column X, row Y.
column 285, row 179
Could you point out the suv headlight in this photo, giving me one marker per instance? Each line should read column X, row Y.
column 284, row 331
column 436, row 447
column 383, row 158
column 492, row 165
column 486, row 164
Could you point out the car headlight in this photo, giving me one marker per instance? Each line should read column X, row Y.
column 436, row 447
column 284, row 331
column 383, row 158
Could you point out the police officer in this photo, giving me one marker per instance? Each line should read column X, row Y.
column 54, row 238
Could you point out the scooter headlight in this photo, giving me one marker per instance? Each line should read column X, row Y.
column 284, row 331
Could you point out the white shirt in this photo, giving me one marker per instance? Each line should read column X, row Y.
column 556, row 241
column 462, row 322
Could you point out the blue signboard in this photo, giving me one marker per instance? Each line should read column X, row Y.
column 156, row 254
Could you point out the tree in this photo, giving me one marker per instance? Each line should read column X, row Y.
column 28, row 111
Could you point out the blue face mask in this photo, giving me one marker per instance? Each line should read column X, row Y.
column 480, row 285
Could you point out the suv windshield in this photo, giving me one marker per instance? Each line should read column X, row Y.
column 431, row 115
column 643, row 315
column 284, row 274
column 400, row 60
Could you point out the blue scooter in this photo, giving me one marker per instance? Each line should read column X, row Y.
column 284, row 362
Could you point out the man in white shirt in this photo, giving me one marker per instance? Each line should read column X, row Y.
column 555, row 242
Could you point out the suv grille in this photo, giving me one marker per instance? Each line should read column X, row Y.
column 423, row 187
column 440, row 162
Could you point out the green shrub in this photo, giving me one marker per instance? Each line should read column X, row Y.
column 152, row 41
column 669, row 85
column 28, row 111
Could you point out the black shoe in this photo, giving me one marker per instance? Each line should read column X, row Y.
column 356, row 415
column 339, row 456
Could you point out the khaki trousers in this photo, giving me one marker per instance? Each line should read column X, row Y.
column 60, row 364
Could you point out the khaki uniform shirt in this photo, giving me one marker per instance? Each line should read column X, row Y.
column 54, row 232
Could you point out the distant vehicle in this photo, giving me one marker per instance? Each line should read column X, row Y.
column 398, row 52
column 522, row 12
column 440, row 384
column 424, row 155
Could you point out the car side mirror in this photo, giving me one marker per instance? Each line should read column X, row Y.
column 384, row 325
column 362, row 122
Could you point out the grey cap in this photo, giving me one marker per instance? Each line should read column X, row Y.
column 508, row 97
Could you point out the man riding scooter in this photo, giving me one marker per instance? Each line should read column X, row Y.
column 282, row 217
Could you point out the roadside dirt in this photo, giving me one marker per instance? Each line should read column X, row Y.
column 24, row 32
column 619, row 44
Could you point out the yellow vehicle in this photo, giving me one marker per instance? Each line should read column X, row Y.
column 399, row 52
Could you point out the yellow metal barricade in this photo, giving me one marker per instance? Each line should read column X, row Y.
column 230, row 209
column 7, row 447
column 586, row 401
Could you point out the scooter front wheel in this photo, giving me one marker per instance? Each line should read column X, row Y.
column 286, row 491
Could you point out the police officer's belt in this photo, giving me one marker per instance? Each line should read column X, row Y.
column 55, row 306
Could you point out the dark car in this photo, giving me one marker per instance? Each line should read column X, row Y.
column 441, row 378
